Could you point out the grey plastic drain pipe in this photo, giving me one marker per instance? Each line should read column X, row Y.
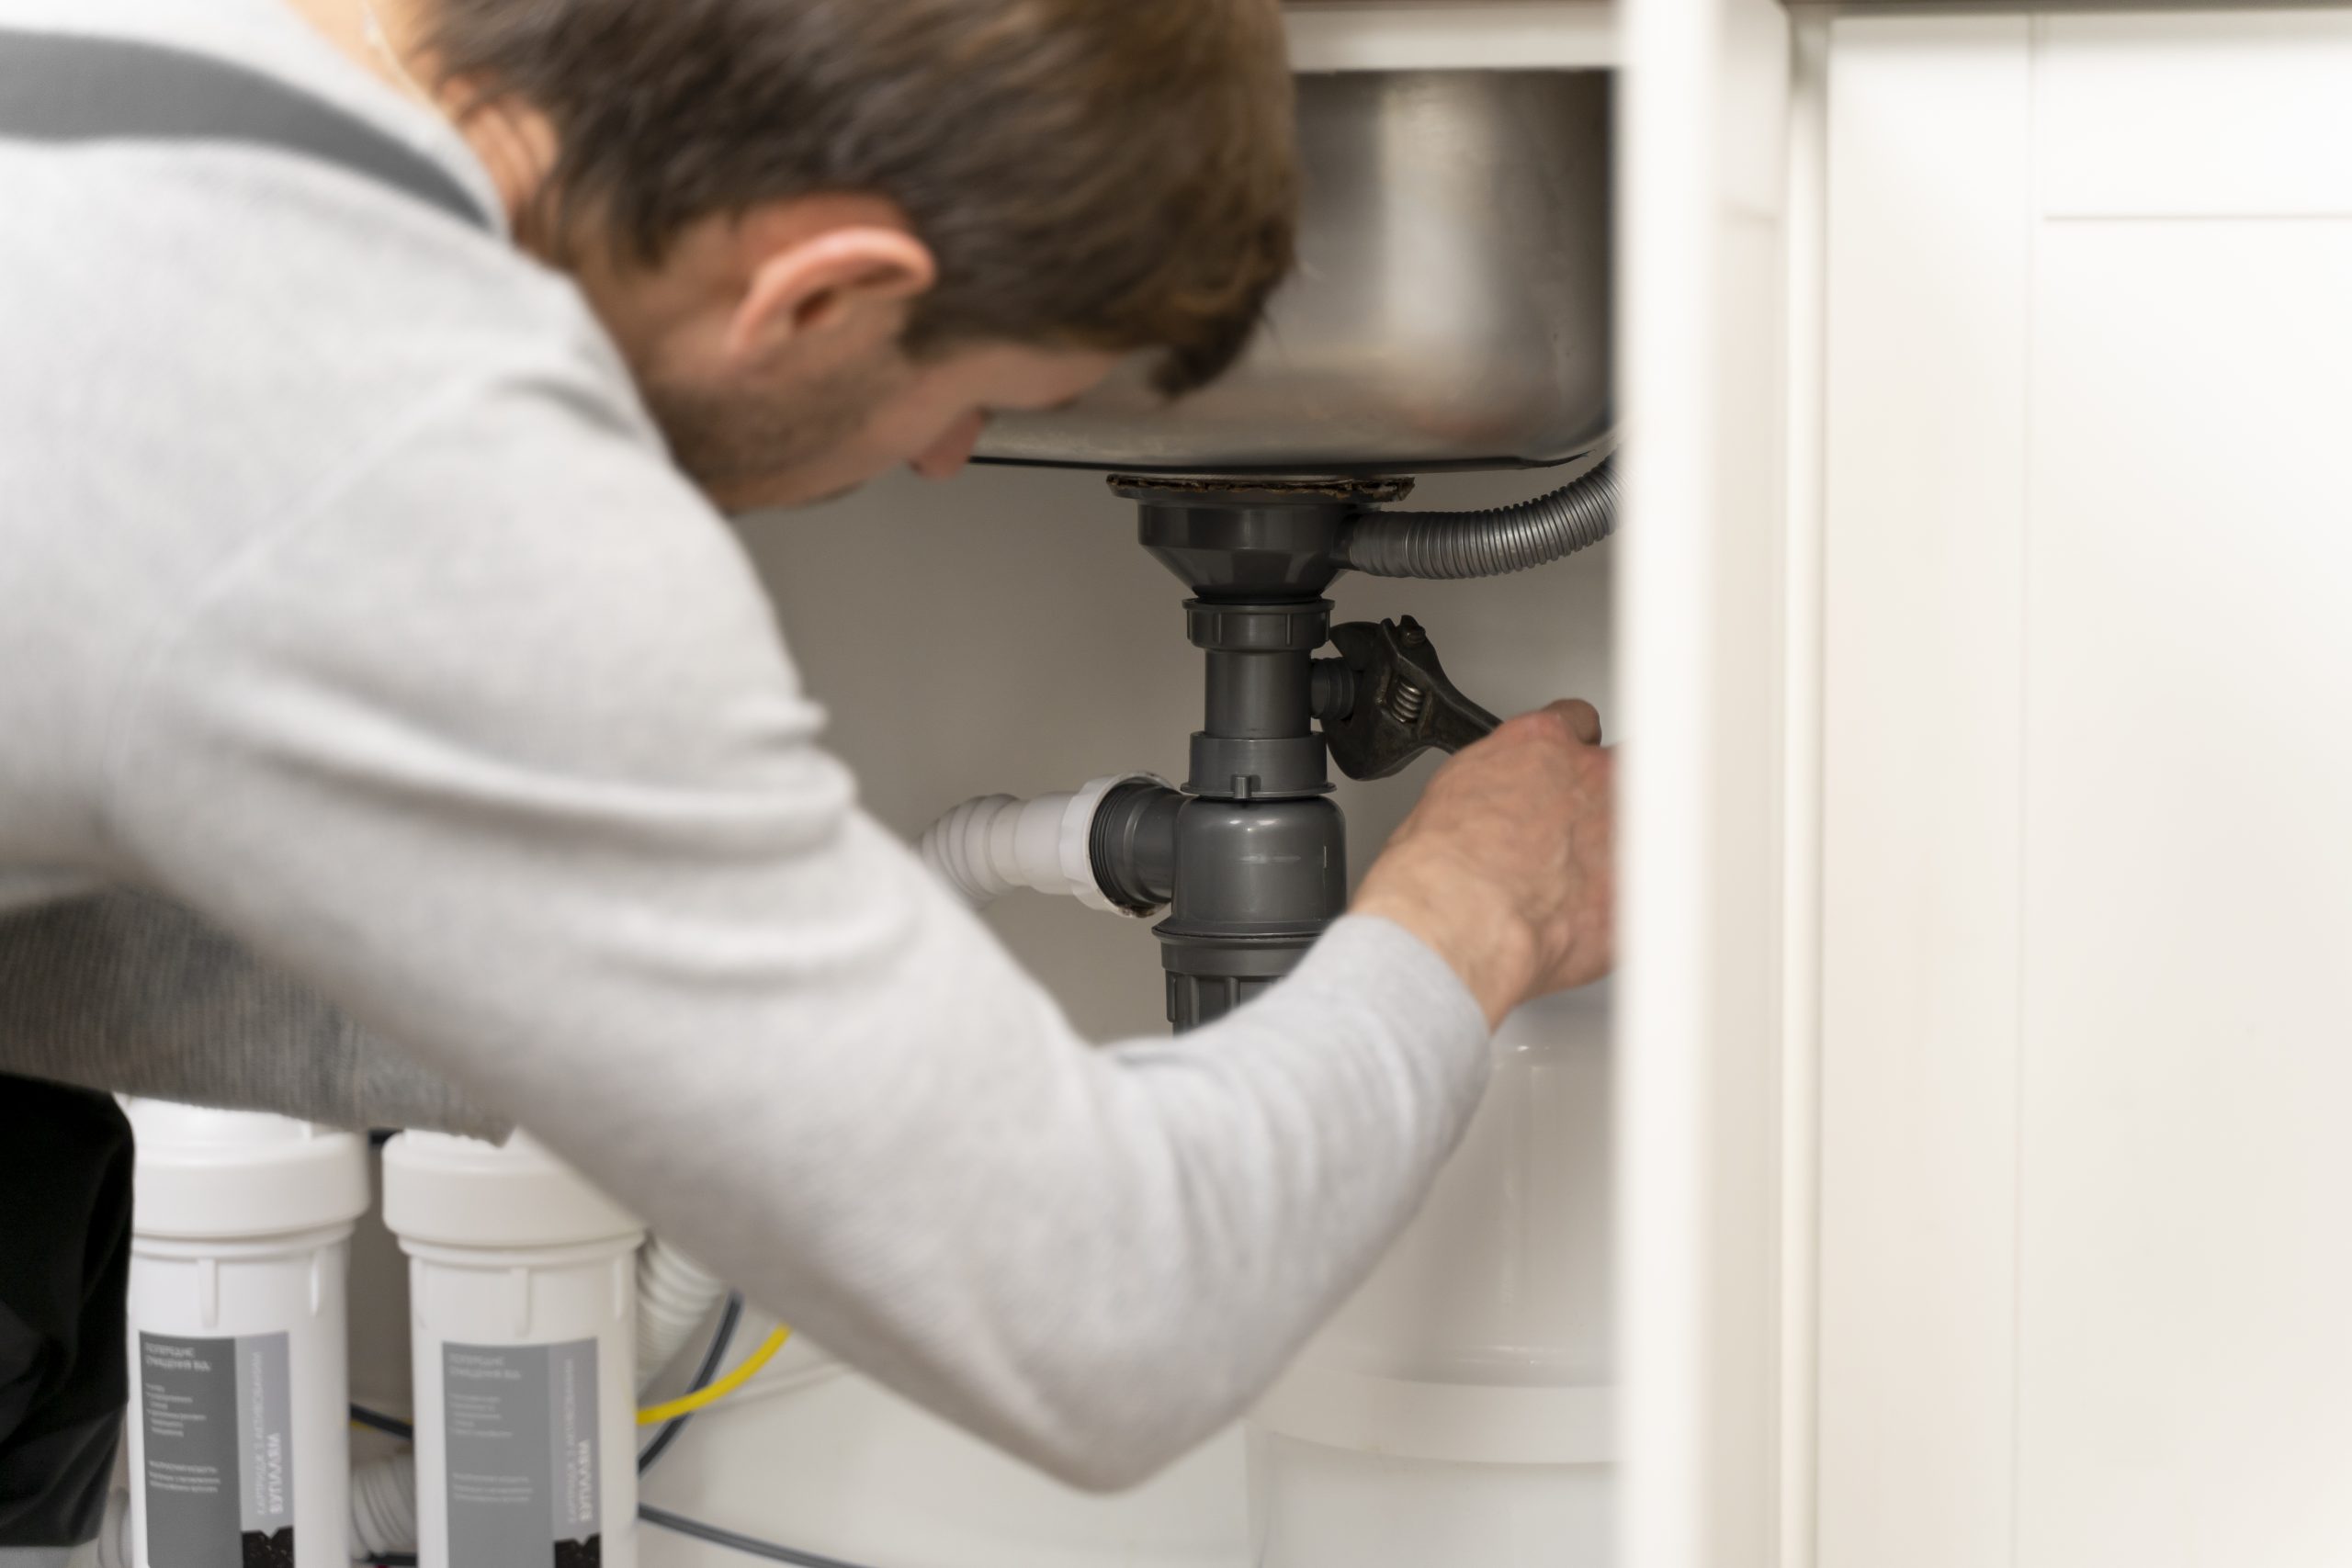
column 1487, row 544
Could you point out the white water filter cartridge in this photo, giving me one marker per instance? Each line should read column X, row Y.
column 523, row 1303
column 241, row 1231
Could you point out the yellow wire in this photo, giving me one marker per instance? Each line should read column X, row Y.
column 710, row 1394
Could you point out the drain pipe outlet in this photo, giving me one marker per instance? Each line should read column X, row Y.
column 986, row 848
column 1486, row 544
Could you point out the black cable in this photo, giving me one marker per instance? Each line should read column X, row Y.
column 728, row 1317
column 376, row 1420
column 748, row 1545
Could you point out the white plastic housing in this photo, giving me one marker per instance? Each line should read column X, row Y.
column 1459, row 1408
column 241, row 1231
column 508, row 1248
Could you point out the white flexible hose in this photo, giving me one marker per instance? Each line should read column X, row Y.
column 384, row 1506
column 676, row 1296
column 986, row 848
column 961, row 847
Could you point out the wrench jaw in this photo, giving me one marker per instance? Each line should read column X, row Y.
column 1390, row 700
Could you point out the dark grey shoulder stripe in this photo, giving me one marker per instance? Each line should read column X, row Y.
column 59, row 88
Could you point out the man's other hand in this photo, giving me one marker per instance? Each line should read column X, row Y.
column 1505, row 867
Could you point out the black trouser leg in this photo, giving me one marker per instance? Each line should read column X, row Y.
column 65, row 1157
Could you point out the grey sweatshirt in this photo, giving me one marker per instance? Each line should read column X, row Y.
column 130, row 994
column 348, row 600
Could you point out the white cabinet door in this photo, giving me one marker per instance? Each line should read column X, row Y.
column 2086, row 1052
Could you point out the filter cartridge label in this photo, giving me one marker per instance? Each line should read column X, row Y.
column 216, row 1419
column 525, row 1479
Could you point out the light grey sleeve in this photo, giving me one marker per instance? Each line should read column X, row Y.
column 127, row 993
column 499, row 749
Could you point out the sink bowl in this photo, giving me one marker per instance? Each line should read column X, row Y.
column 1452, row 308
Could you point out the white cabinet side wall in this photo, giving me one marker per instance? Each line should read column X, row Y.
column 2087, row 891
column 1703, row 181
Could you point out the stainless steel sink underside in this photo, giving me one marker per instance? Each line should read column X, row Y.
column 1451, row 309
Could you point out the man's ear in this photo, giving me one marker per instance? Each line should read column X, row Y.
column 817, row 282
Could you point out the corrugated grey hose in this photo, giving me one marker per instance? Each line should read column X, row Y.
column 1487, row 543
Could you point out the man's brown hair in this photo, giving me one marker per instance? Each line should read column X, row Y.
column 1114, row 174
